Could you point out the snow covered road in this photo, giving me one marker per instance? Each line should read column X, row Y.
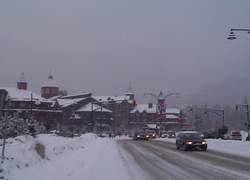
column 162, row 161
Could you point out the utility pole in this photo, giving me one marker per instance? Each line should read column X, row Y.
column 248, row 123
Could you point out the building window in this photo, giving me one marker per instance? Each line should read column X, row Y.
column 22, row 104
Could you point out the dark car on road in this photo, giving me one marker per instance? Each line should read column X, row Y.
column 141, row 136
column 190, row 140
column 151, row 133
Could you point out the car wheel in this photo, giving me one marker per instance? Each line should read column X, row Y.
column 204, row 149
column 178, row 147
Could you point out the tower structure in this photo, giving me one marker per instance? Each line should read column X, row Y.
column 22, row 83
column 130, row 92
column 50, row 88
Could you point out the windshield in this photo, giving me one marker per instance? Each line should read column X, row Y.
column 192, row 136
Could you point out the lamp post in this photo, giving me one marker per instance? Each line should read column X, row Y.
column 161, row 105
column 232, row 35
column 246, row 106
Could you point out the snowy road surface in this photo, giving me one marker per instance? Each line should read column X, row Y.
column 162, row 161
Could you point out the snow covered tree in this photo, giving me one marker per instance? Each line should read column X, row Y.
column 14, row 126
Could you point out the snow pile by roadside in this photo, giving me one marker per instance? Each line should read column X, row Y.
column 123, row 137
column 244, row 135
column 241, row 148
column 99, row 159
column 20, row 151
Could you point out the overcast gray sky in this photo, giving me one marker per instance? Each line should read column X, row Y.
column 101, row 45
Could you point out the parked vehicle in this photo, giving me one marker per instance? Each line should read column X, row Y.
column 164, row 134
column 190, row 140
column 211, row 134
column 171, row 134
column 233, row 135
column 141, row 136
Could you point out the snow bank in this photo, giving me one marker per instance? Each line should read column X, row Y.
column 241, row 148
column 20, row 151
column 75, row 158
column 123, row 137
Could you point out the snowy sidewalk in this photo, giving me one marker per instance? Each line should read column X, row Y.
column 99, row 159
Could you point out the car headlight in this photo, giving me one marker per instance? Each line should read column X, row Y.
column 189, row 142
column 138, row 136
column 204, row 142
column 147, row 136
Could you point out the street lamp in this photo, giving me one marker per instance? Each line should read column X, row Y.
column 232, row 35
column 161, row 105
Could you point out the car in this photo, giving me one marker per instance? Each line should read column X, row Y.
column 211, row 134
column 190, row 140
column 151, row 133
column 171, row 134
column 141, row 136
column 235, row 135
column 164, row 134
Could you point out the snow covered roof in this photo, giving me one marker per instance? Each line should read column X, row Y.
column 173, row 111
column 54, row 98
column 50, row 82
column 79, row 95
column 111, row 98
column 144, row 108
column 68, row 102
column 96, row 108
column 22, row 95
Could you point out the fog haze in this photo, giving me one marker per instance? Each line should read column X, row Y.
column 101, row 46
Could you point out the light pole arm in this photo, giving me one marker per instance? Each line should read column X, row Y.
column 248, row 30
column 151, row 94
column 171, row 94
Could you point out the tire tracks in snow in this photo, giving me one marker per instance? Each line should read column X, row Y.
column 162, row 161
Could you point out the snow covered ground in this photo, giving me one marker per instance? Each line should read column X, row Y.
column 236, row 147
column 86, row 157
